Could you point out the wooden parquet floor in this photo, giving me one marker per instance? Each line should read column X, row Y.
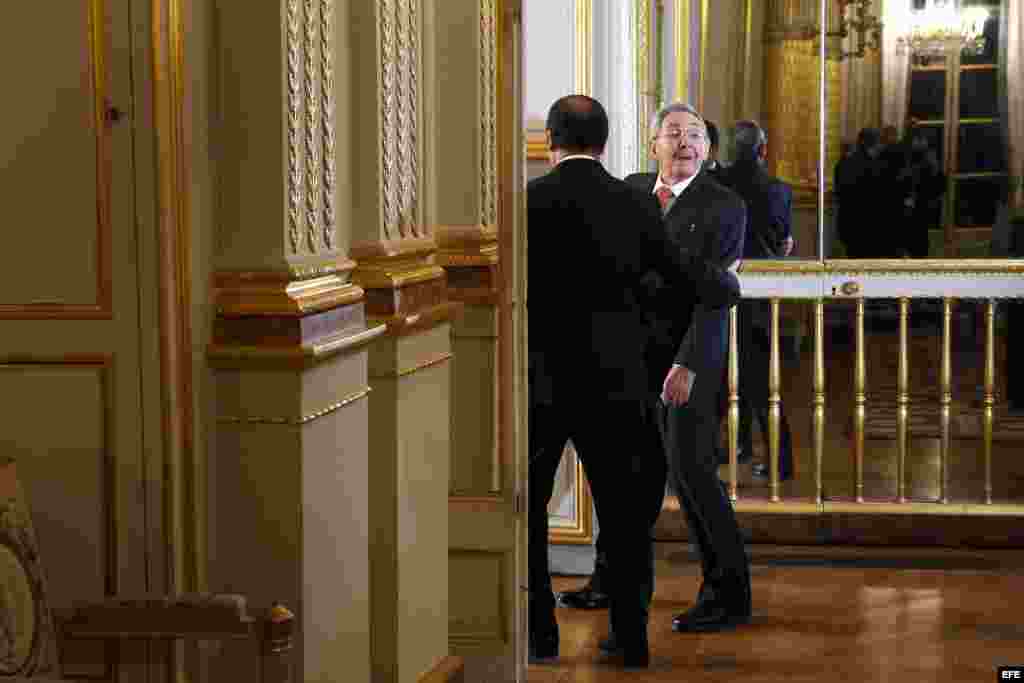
column 846, row 620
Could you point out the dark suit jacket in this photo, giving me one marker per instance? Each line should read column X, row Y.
column 591, row 240
column 769, row 208
column 709, row 220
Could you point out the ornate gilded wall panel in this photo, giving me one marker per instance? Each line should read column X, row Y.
column 399, row 26
column 488, row 105
column 310, row 125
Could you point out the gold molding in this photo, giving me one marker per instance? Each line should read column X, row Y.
column 183, row 511
column 295, row 357
column 705, row 11
column 423, row 365
column 681, row 49
column 472, row 245
column 582, row 42
column 582, row 532
column 296, row 421
column 884, row 266
column 245, row 296
column 645, row 93
column 488, row 101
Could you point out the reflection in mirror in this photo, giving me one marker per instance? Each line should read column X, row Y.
column 925, row 123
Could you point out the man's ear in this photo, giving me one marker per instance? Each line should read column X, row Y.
column 652, row 151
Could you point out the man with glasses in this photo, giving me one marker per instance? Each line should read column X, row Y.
column 686, row 362
column 587, row 377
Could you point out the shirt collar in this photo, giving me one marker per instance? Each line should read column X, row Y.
column 578, row 156
column 678, row 188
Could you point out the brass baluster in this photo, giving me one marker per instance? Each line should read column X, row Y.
column 945, row 396
column 734, row 404
column 774, row 399
column 819, row 395
column 859, row 406
column 902, row 399
column 990, row 397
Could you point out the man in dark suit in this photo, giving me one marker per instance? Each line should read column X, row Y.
column 593, row 240
column 700, row 216
column 769, row 235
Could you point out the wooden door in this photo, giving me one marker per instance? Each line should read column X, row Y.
column 70, row 371
column 487, row 530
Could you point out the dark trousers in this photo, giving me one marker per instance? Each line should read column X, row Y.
column 689, row 434
column 754, row 358
column 615, row 440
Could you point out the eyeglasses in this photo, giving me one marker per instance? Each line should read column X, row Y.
column 692, row 135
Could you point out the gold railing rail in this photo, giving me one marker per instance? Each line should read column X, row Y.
column 903, row 281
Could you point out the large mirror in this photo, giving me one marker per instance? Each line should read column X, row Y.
column 933, row 111
column 889, row 120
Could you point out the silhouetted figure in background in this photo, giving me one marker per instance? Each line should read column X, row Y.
column 858, row 187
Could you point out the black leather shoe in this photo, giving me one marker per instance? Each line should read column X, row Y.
column 709, row 615
column 585, row 598
column 763, row 471
column 638, row 657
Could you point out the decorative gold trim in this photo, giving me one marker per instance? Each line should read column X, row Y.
column 884, row 266
column 582, row 532
column 222, row 356
column 990, row 397
column 584, row 31
column 936, row 266
column 488, row 153
column 681, row 48
column 327, row 119
column 760, row 505
column 296, row 421
column 774, row 402
column 860, row 403
column 312, row 149
column 437, row 360
column 892, row 508
column 819, row 397
column 770, row 267
column 395, row 275
column 293, row 82
column 645, row 93
column 237, row 297
column 705, row 11
column 945, row 397
column 902, row 403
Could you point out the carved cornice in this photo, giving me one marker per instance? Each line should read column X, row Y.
column 298, row 357
column 469, row 255
column 395, row 264
column 281, row 293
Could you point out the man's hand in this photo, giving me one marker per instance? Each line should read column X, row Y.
column 676, row 387
column 787, row 246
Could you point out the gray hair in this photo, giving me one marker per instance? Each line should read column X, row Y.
column 658, row 119
column 747, row 140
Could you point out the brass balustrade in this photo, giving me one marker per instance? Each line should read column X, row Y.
column 930, row 280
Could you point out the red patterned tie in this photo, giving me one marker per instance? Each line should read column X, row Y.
column 664, row 197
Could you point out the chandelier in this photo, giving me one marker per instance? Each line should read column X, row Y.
column 850, row 18
column 941, row 26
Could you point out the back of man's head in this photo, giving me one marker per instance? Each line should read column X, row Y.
column 578, row 124
column 868, row 141
column 748, row 139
